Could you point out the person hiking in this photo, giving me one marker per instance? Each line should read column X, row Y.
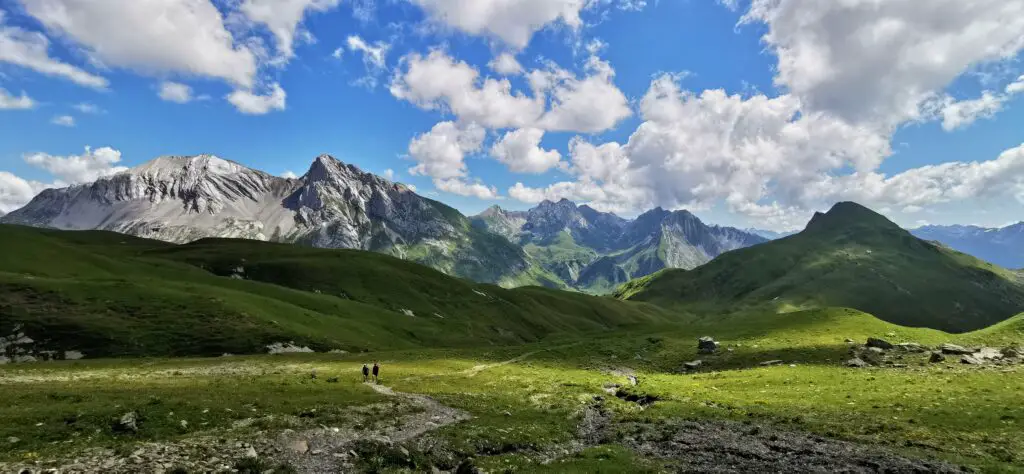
column 376, row 371
column 366, row 373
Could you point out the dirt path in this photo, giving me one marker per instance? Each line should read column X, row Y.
column 328, row 450
column 476, row 369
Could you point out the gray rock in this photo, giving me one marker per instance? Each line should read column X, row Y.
column 772, row 362
column 879, row 343
column 936, row 358
column 850, row 341
column 251, row 453
column 13, row 440
column 912, row 347
column 692, row 365
column 988, row 353
column 856, row 363
column 953, row 349
column 1011, row 353
column 128, row 423
column 971, row 360
column 706, row 345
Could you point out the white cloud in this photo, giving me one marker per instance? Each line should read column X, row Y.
column 16, row 192
column 30, row 50
column 505, row 64
column 10, row 102
column 283, row 18
column 250, row 103
column 389, row 174
column 879, row 61
column 1016, row 87
column 375, row 55
column 463, row 188
column 63, row 120
column 512, row 21
column 520, row 150
column 338, row 53
column 87, row 167
column 591, row 103
column 289, row 175
column 440, row 152
column 87, row 108
column 958, row 114
column 175, row 92
column 438, row 82
column 152, row 36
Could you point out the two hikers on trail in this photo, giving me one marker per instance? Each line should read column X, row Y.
column 366, row 372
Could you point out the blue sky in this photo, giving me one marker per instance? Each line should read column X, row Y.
column 749, row 113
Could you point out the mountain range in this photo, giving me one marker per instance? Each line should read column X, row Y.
column 1001, row 246
column 848, row 257
column 597, row 251
column 181, row 199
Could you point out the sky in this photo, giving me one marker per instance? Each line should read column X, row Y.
column 748, row 113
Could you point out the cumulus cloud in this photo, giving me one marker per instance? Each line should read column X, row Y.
column 866, row 60
column 375, row 55
column 31, row 50
column 284, row 18
column 440, row 153
column 511, row 21
column 389, row 174
column 152, row 36
column 11, row 102
column 464, row 188
column 87, row 108
column 175, row 92
column 520, row 150
column 589, row 104
column 87, row 167
column 16, row 192
column 961, row 113
column 289, row 175
column 63, row 120
column 250, row 103
column 505, row 64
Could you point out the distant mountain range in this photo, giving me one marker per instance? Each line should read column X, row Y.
column 1003, row 246
column 849, row 257
column 334, row 205
column 597, row 251
column 181, row 199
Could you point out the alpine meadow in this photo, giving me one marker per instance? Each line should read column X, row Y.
column 511, row 236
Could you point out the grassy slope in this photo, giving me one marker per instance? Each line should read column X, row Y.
column 142, row 297
column 849, row 257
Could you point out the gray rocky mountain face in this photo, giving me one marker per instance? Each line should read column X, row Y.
column 334, row 205
column 1002, row 246
column 597, row 251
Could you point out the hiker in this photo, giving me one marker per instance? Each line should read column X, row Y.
column 376, row 371
column 366, row 373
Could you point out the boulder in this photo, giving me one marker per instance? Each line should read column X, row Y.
column 1011, row 353
column 771, row 362
column 971, row 360
column 936, row 358
column 953, row 349
column 879, row 343
column 693, row 365
column 988, row 353
column 856, row 363
column 912, row 347
column 299, row 446
column 706, row 345
column 128, row 423
column 251, row 453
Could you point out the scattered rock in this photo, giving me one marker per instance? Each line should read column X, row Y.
column 692, row 365
column 13, row 440
column 953, row 349
column 184, row 424
column 633, row 380
column 856, row 363
column 912, row 347
column 936, row 358
column 299, row 446
column 286, row 348
column 772, row 362
column 971, row 360
column 988, row 354
column 128, row 423
column 850, row 341
column 1011, row 353
column 251, row 453
column 879, row 343
column 706, row 345
column 73, row 355
column 332, row 380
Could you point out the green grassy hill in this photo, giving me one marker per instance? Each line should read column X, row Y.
column 848, row 257
column 107, row 294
